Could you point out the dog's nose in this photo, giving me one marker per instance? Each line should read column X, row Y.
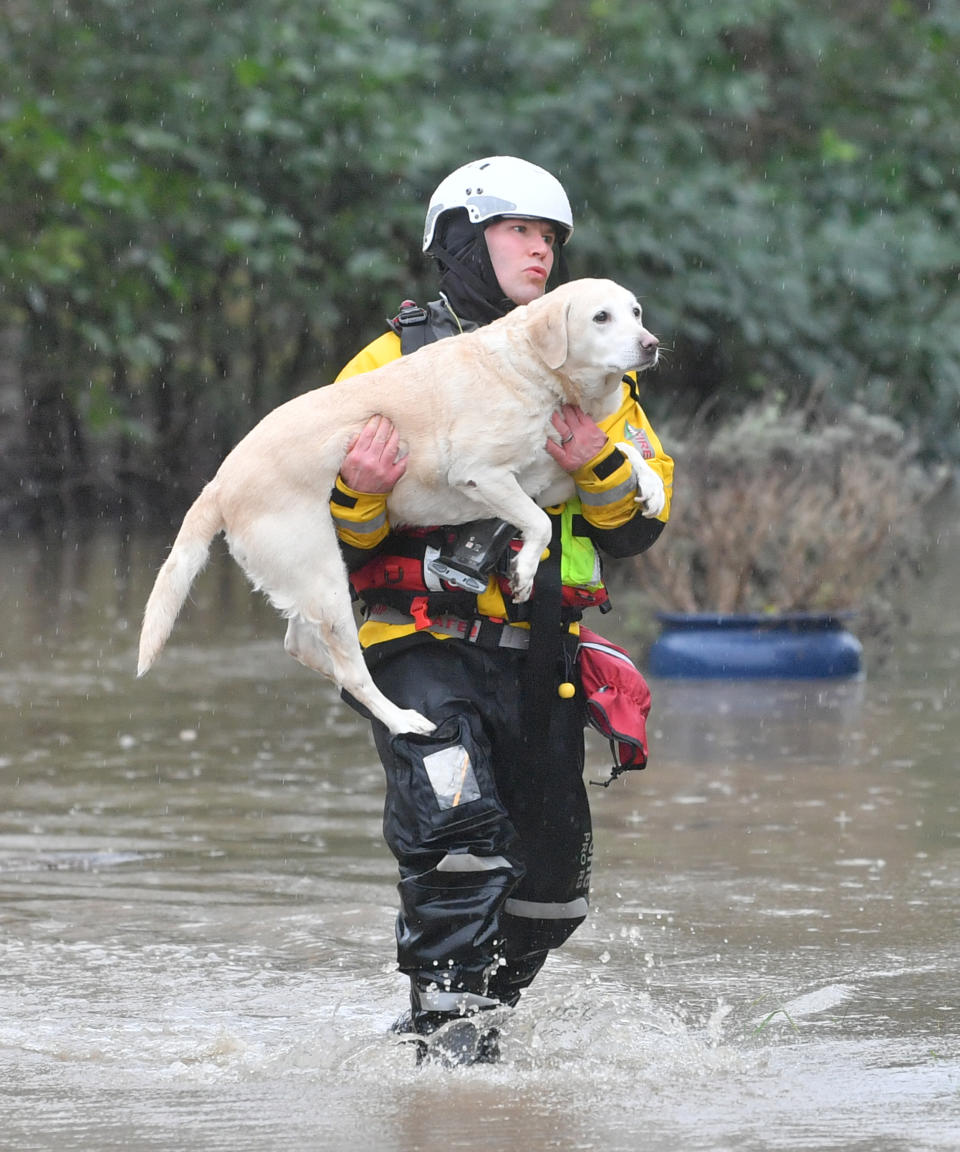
column 648, row 342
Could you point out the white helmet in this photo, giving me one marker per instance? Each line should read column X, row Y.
column 500, row 186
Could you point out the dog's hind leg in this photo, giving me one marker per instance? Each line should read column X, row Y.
column 303, row 643
column 330, row 646
column 295, row 559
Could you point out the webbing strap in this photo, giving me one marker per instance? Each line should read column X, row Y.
column 543, row 657
column 414, row 328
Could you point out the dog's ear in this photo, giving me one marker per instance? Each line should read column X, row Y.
column 547, row 330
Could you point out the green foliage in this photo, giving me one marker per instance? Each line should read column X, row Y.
column 207, row 208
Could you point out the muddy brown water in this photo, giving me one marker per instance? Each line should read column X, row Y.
column 196, row 909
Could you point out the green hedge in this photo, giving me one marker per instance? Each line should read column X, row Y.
column 206, row 208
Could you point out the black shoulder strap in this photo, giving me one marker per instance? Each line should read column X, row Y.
column 543, row 656
column 412, row 325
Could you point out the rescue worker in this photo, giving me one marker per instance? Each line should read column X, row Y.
column 488, row 816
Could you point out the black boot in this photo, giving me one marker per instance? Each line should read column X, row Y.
column 450, row 1041
column 459, row 1043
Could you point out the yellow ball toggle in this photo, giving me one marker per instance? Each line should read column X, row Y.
column 545, row 555
column 566, row 691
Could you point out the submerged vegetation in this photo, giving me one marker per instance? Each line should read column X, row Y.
column 792, row 508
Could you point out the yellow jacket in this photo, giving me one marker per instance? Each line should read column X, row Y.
column 605, row 490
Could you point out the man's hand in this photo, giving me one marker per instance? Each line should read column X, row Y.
column 580, row 438
column 374, row 462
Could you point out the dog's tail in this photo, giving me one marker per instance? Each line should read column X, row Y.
column 187, row 557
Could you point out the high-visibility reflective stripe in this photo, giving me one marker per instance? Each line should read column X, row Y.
column 467, row 862
column 609, row 495
column 534, row 910
column 454, row 1001
column 612, row 652
column 360, row 527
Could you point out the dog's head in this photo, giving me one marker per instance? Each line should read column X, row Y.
column 591, row 328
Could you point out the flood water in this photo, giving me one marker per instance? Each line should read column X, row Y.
column 196, row 909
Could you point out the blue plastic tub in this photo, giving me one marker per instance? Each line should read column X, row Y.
column 752, row 646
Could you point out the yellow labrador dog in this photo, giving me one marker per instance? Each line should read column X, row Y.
column 472, row 412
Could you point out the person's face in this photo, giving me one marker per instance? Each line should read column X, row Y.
column 521, row 252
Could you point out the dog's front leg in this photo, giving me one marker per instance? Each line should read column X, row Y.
column 536, row 537
column 506, row 500
column 651, row 495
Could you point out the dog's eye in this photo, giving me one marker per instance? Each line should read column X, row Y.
column 601, row 317
column 636, row 312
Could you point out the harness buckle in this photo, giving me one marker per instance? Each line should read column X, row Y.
column 418, row 610
column 410, row 314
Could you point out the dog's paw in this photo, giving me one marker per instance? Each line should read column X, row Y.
column 651, row 495
column 521, row 593
column 653, row 504
column 409, row 720
column 521, row 581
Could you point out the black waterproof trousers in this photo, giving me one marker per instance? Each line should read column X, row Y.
column 493, row 841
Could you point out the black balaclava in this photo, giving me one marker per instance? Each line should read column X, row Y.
column 467, row 278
